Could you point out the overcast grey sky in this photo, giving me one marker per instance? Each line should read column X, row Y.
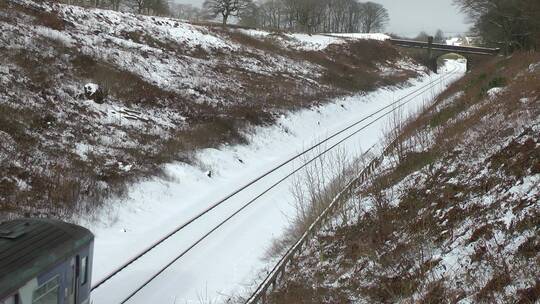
column 409, row 17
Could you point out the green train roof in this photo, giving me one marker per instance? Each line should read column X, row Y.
column 29, row 247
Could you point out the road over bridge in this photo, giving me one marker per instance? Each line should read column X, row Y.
column 434, row 50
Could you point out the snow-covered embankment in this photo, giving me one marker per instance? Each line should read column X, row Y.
column 231, row 257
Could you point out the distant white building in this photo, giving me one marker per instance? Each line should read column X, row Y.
column 464, row 41
column 457, row 41
column 473, row 40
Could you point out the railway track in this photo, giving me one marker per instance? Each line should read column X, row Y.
column 259, row 293
column 333, row 141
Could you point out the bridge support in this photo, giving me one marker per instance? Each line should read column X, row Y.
column 430, row 47
column 473, row 54
column 432, row 61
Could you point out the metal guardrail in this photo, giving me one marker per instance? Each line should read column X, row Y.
column 260, row 294
column 445, row 47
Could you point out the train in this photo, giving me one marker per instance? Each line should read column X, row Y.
column 44, row 261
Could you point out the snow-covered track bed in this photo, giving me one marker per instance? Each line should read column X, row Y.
column 248, row 218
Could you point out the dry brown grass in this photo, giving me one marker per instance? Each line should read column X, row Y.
column 390, row 251
column 298, row 293
column 268, row 44
column 54, row 117
column 124, row 85
column 44, row 18
column 353, row 66
column 529, row 295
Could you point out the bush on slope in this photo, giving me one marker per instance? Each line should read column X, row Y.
column 172, row 88
column 451, row 216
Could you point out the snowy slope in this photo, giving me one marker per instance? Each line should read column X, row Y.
column 231, row 257
column 312, row 42
column 177, row 99
column 164, row 89
column 146, row 46
column 452, row 213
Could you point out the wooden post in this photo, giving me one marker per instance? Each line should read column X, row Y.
column 431, row 61
column 430, row 46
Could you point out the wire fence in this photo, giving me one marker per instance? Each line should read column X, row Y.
column 259, row 295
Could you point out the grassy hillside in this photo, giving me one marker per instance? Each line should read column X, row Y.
column 157, row 89
column 452, row 215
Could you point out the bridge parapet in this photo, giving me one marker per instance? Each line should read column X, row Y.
column 434, row 50
column 444, row 47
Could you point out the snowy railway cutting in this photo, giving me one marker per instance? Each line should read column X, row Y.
column 269, row 151
column 127, row 281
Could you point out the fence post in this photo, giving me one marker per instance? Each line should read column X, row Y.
column 263, row 297
column 430, row 47
column 431, row 61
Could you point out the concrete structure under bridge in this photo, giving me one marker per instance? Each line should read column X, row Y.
column 435, row 50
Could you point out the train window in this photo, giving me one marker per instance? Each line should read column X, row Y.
column 84, row 270
column 73, row 276
column 46, row 293
column 10, row 300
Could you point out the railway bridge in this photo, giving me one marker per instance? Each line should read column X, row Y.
column 435, row 50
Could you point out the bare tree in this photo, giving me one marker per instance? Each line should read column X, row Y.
column 511, row 23
column 185, row 11
column 328, row 16
column 422, row 36
column 308, row 14
column 272, row 14
column 225, row 8
column 249, row 16
column 115, row 4
column 138, row 5
column 374, row 18
column 439, row 37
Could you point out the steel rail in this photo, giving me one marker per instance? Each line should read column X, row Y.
column 429, row 86
column 247, row 185
column 445, row 47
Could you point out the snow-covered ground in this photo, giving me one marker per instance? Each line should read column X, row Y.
column 314, row 42
column 450, row 213
column 166, row 88
column 163, row 51
column 229, row 258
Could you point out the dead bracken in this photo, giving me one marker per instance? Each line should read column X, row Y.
column 450, row 216
column 161, row 91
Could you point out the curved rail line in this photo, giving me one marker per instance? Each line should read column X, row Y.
column 423, row 89
column 271, row 276
column 279, row 266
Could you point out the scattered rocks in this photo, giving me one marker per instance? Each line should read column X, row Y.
column 534, row 68
column 7, row 146
column 124, row 167
column 494, row 92
column 94, row 92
